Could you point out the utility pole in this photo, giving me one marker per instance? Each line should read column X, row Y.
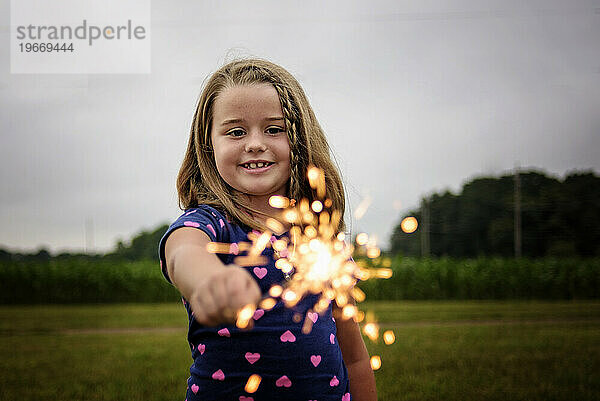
column 89, row 235
column 517, row 230
column 424, row 228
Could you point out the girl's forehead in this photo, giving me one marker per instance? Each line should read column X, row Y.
column 247, row 100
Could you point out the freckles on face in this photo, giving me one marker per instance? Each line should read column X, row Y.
column 250, row 144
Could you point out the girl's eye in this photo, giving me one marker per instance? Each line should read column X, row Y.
column 274, row 130
column 236, row 133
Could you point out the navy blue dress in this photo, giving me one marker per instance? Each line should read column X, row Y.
column 292, row 365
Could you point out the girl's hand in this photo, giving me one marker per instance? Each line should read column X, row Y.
column 217, row 298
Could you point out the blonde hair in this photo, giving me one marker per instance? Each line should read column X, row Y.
column 199, row 182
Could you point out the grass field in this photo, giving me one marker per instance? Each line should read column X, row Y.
column 443, row 351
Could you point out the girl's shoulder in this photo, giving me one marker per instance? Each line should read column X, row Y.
column 205, row 210
column 203, row 217
column 213, row 221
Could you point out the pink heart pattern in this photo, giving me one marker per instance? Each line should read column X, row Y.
column 315, row 359
column 250, row 357
column 334, row 382
column 201, row 348
column 244, row 398
column 332, row 338
column 221, row 223
column 212, row 229
column 258, row 314
column 218, row 375
column 313, row 316
column 283, row 381
column 346, row 397
column 260, row 272
column 234, row 248
column 287, row 336
column 191, row 224
column 195, row 388
column 224, row 333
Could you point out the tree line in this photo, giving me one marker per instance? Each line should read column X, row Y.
column 143, row 246
column 557, row 218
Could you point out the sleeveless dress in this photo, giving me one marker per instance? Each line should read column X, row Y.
column 292, row 365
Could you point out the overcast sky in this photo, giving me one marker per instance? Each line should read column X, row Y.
column 415, row 97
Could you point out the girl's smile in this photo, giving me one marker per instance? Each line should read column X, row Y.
column 250, row 144
column 256, row 166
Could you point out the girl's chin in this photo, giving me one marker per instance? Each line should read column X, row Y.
column 262, row 194
column 254, row 191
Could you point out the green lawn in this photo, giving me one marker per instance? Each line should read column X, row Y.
column 443, row 351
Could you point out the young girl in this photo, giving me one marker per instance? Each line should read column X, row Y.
column 253, row 136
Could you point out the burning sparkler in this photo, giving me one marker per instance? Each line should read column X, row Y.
column 315, row 259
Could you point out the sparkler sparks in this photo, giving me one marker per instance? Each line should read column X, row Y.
column 315, row 259
column 409, row 225
column 375, row 362
column 389, row 337
column 252, row 384
column 362, row 208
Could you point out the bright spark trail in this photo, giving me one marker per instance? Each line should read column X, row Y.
column 315, row 260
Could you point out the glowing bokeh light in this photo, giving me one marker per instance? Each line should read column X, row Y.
column 389, row 337
column 252, row 384
column 244, row 315
column 375, row 362
column 362, row 238
column 409, row 225
column 362, row 207
column 317, row 206
column 279, row 202
column 371, row 330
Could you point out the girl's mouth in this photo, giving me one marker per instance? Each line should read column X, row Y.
column 256, row 166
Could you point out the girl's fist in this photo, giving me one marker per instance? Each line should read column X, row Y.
column 218, row 297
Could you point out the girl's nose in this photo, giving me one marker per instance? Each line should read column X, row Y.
column 255, row 142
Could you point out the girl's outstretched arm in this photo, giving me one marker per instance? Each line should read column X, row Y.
column 356, row 357
column 215, row 291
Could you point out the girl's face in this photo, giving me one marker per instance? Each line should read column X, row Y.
column 251, row 147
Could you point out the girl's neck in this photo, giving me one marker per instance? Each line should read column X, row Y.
column 260, row 203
